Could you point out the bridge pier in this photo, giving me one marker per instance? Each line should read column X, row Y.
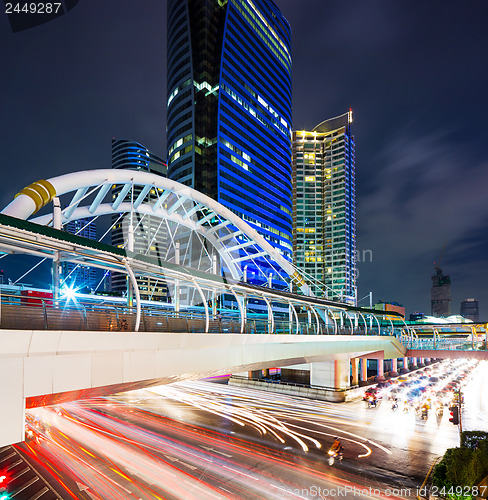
column 12, row 416
column 380, row 373
column 394, row 367
column 333, row 374
column 363, row 374
column 405, row 366
column 355, row 371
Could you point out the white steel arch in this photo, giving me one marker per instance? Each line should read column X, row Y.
column 234, row 239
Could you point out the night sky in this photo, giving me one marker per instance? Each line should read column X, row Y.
column 414, row 72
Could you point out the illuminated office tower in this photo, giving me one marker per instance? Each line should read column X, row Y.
column 324, row 208
column 149, row 233
column 229, row 112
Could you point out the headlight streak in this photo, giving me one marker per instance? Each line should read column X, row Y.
column 338, row 431
column 278, row 425
column 265, row 415
column 149, row 468
column 264, row 422
column 236, row 467
column 100, row 478
column 368, row 449
column 260, row 487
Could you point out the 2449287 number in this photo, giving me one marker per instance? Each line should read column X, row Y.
column 466, row 491
column 32, row 8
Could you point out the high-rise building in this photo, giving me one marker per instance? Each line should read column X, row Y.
column 149, row 235
column 324, row 208
column 75, row 276
column 229, row 111
column 440, row 294
column 470, row 309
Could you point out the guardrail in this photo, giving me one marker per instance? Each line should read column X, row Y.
column 40, row 313
column 445, row 344
column 25, row 313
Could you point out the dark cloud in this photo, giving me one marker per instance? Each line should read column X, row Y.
column 414, row 73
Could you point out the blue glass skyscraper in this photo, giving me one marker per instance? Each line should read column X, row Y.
column 229, row 110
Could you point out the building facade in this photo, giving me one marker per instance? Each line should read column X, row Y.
column 229, row 111
column 324, row 207
column 440, row 294
column 470, row 310
column 82, row 278
column 149, row 235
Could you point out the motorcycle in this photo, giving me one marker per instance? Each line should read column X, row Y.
column 335, row 454
column 439, row 412
column 372, row 402
column 394, row 406
column 424, row 414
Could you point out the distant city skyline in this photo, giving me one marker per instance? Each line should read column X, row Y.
column 414, row 75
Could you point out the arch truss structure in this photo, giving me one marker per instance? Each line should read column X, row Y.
column 211, row 247
column 200, row 225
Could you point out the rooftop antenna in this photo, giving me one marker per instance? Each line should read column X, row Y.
column 437, row 265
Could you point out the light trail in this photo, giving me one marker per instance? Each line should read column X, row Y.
column 127, row 446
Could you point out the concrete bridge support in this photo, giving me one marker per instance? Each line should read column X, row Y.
column 394, row 367
column 354, row 371
column 380, row 374
column 405, row 366
column 12, row 416
column 334, row 374
column 363, row 372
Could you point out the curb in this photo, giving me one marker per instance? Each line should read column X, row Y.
column 427, row 478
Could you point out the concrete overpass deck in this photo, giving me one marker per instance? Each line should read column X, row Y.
column 48, row 367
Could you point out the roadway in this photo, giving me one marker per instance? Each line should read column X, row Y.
column 200, row 440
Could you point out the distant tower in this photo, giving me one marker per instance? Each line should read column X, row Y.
column 75, row 275
column 470, row 310
column 149, row 238
column 440, row 294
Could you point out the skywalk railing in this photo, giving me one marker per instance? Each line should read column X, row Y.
column 445, row 344
column 38, row 313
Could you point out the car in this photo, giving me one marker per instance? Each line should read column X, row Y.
column 371, row 391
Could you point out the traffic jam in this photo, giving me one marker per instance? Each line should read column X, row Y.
column 426, row 390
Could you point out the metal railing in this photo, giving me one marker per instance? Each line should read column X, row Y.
column 294, row 384
column 445, row 344
column 39, row 313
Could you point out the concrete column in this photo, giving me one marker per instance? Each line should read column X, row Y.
column 12, row 417
column 363, row 371
column 405, row 366
column 333, row 374
column 381, row 370
column 414, row 363
column 394, row 367
column 355, row 371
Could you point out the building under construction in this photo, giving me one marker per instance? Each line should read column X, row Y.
column 440, row 294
